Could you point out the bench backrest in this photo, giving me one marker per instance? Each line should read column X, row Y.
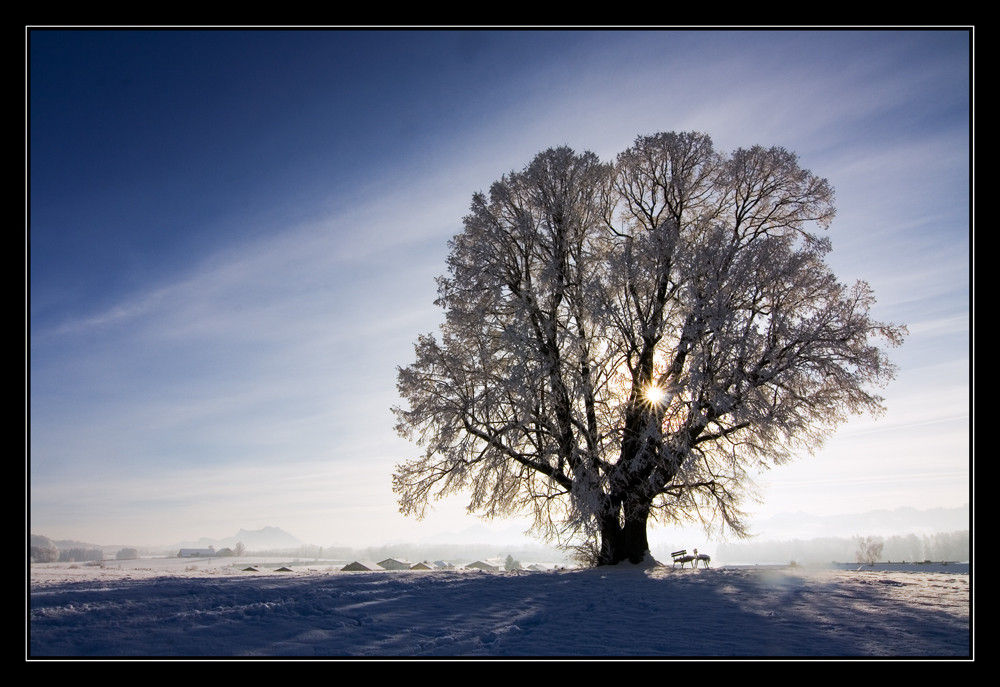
column 679, row 553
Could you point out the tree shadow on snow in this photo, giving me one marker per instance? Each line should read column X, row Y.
column 621, row 611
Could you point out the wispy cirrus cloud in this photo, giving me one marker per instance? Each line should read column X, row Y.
column 256, row 379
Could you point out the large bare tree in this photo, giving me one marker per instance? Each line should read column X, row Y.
column 632, row 341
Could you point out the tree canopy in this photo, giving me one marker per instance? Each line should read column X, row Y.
column 632, row 340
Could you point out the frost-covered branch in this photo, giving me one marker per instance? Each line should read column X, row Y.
column 633, row 340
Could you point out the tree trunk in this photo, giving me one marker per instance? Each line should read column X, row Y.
column 635, row 545
column 628, row 541
column 611, row 536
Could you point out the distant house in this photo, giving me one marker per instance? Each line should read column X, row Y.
column 482, row 566
column 444, row 565
column 423, row 565
column 196, row 553
column 393, row 564
column 357, row 566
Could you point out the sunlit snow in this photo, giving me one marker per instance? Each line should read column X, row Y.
column 176, row 607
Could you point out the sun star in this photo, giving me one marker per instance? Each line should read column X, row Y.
column 655, row 394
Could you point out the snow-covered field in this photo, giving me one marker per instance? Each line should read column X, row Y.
column 180, row 607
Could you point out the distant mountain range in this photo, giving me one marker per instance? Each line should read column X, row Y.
column 264, row 539
column 478, row 533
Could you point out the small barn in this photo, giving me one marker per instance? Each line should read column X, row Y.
column 423, row 565
column 443, row 565
column 393, row 564
column 356, row 566
column 480, row 565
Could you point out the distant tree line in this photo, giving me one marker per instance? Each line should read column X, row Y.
column 420, row 552
column 305, row 551
column 42, row 550
column 941, row 546
column 80, row 555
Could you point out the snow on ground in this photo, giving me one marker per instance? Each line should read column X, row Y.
column 191, row 608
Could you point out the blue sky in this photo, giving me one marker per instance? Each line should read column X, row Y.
column 234, row 237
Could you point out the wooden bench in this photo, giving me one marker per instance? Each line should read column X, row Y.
column 682, row 557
